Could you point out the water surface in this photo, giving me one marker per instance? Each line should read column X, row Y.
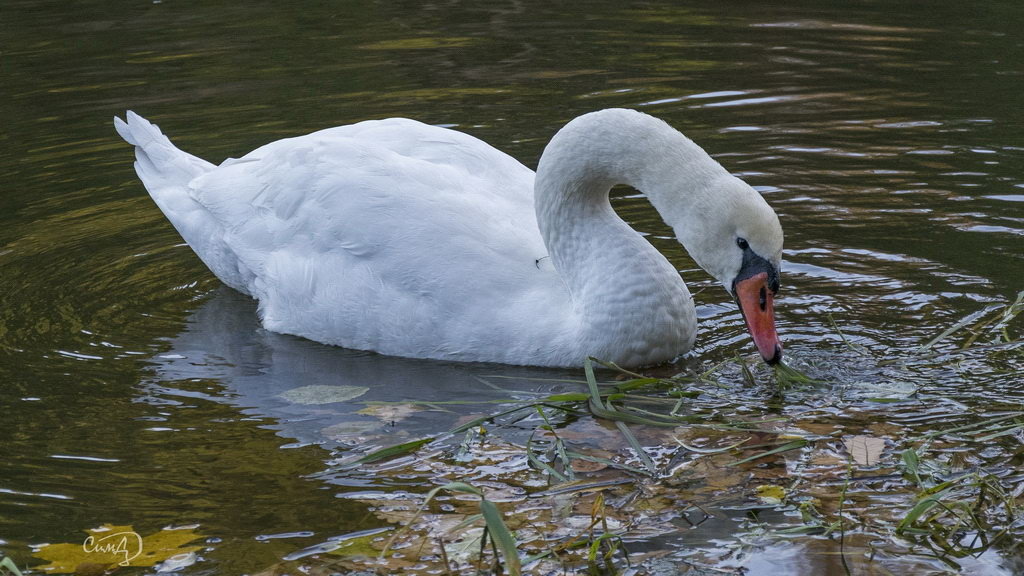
column 138, row 392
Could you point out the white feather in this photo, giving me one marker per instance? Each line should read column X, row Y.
column 419, row 241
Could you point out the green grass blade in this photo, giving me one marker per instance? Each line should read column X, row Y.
column 488, row 418
column 610, row 413
column 605, row 461
column 711, row 450
column 912, row 462
column 568, row 397
column 963, row 323
column 501, row 536
column 637, row 383
column 392, row 451
column 563, row 455
column 923, row 505
column 647, row 462
column 617, row 368
column 784, row 448
column 454, row 487
column 536, row 462
column 787, row 375
column 579, row 487
column 595, row 394
column 974, row 425
column 9, row 565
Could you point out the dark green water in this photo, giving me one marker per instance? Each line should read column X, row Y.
column 888, row 137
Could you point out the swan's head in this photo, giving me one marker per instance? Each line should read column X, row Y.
column 738, row 240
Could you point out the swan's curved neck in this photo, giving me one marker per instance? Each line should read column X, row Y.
column 599, row 150
column 609, row 269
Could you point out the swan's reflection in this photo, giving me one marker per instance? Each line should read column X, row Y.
column 224, row 345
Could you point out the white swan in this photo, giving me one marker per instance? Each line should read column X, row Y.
column 418, row 241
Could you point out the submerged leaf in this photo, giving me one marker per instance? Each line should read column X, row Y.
column 865, row 450
column 320, row 394
column 109, row 547
column 390, row 412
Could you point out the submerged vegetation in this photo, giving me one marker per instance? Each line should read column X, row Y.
column 611, row 477
column 701, row 471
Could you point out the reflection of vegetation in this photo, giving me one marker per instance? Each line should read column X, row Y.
column 495, row 531
column 418, row 43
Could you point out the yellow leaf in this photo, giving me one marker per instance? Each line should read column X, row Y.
column 771, row 494
column 109, row 547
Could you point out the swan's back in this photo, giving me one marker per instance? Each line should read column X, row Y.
column 388, row 235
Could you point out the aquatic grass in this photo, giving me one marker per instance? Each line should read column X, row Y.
column 851, row 345
column 787, row 376
column 947, row 505
column 1012, row 311
column 495, row 529
column 559, row 449
column 537, row 463
column 943, row 513
column 591, row 541
column 791, row 445
column 598, row 402
column 393, row 451
column 406, row 448
column 946, row 511
column 599, row 408
column 996, row 318
column 611, row 541
column 8, row 567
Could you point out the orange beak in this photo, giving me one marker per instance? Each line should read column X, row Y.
column 757, row 304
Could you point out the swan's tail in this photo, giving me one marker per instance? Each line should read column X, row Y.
column 167, row 173
column 159, row 164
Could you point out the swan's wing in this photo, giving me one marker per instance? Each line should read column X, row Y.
column 359, row 233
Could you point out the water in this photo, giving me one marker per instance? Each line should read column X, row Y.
column 137, row 392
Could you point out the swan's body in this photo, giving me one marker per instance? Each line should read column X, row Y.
column 419, row 241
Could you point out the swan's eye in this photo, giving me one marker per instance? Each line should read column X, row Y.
column 742, row 243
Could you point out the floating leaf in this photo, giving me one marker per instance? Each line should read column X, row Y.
column 321, row 394
column 865, row 450
column 771, row 494
column 389, row 412
column 108, row 547
column 353, row 431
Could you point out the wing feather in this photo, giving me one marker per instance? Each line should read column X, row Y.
column 358, row 233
